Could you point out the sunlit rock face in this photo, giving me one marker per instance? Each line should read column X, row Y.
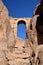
column 3, row 10
column 13, row 49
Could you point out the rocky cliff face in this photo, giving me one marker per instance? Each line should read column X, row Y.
column 15, row 51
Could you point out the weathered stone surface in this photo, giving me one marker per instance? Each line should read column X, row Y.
column 3, row 10
column 14, row 50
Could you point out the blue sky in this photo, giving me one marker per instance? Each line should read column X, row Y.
column 21, row 9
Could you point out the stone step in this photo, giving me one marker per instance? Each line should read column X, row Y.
column 14, row 55
column 18, row 50
column 19, row 62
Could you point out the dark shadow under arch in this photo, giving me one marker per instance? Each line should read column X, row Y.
column 21, row 32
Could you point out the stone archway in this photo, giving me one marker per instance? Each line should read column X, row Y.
column 21, row 32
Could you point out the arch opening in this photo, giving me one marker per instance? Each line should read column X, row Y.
column 21, row 31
